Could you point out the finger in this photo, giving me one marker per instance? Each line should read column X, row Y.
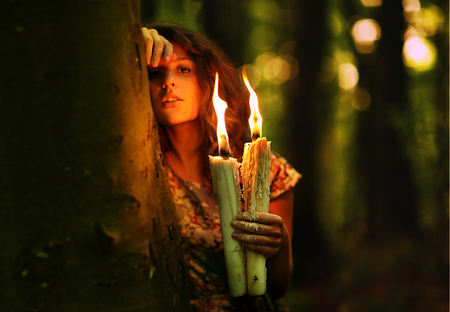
column 267, row 251
column 148, row 44
column 260, row 240
column 168, row 49
column 261, row 217
column 257, row 228
column 158, row 47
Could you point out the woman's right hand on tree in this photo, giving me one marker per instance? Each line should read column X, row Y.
column 156, row 47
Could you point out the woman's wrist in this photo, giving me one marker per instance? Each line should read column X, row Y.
column 279, row 269
column 285, row 248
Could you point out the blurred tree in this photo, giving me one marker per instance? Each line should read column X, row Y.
column 86, row 214
column 379, row 179
column 226, row 23
column 305, row 108
column 185, row 12
column 383, row 166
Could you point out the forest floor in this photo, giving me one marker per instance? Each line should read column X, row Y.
column 396, row 277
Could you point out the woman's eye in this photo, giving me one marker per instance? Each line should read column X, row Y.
column 185, row 70
column 153, row 73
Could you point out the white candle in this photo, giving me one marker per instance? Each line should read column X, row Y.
column 225, row 174
column 225, row 177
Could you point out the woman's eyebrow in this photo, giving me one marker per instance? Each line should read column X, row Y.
column 184, row 57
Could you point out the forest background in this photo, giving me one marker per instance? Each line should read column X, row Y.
column 354, row 93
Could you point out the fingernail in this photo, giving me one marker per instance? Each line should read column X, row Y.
column 233, row 222
column 167, row 58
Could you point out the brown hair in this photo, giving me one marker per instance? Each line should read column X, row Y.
column 208, row 59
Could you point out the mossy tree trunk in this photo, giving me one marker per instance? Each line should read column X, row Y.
column 86, row 218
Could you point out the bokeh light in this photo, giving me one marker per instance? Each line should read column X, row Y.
column 262, row 60
column 262, row 37
column 265, row 10
column 344, row 57
column 288, row 48
column 419, row 53
column 365, row 32
column 361, row 99
column 429, row 19
column 412, row 31
column 335, row 25
column 411, row 5
column 372, row 3
column 276, row 69
column 348, row 76
column 411, row 10
column 293, row 65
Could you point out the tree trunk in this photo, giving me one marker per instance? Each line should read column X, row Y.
column 305, row 108
column 87, row 221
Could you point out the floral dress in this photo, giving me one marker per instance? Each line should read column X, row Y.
column 199, row 223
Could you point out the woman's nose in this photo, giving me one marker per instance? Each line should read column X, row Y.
column 169, row 82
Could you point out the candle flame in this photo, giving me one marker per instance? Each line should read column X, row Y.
column 255, row 120
column 220, row 106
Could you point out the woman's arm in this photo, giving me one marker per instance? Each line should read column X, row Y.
column 272, row 238
column 279, row 267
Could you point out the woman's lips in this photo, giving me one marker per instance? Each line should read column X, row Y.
column 171, row 101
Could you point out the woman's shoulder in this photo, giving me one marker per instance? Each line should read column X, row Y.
column 283, row 176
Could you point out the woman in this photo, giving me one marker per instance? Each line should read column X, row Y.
column 182, row 66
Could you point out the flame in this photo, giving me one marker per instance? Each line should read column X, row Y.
column 255, row 120
column 220, row 106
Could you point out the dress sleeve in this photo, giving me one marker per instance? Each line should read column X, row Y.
column 283, row 176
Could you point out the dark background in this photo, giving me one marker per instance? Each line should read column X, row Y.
column 371, row 211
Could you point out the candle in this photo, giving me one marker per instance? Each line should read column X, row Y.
column 225, row 177
column 255, row 173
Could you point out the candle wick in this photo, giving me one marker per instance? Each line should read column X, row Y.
column 224, row 153
column 224, row 148
column 255, row 136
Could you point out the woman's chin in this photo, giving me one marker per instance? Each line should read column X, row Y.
column 178, row 121
column 172, row 104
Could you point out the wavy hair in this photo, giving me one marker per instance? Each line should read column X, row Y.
column 208, row 59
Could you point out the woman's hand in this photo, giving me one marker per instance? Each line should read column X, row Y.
column 270, row 234
column 156, row 47
column 266, row 234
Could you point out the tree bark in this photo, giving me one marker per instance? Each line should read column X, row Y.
column 86, row 217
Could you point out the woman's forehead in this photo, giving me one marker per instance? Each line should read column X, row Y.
column 180, row 52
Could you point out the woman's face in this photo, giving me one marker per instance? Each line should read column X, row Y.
column 174, row 89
